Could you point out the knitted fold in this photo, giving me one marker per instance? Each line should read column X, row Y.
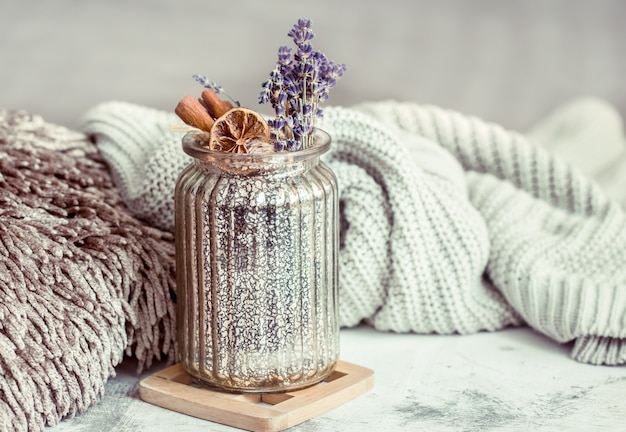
column 558, row 244
column 600, row 350
column 436, row 245
column 137, row 167
column 449, row 224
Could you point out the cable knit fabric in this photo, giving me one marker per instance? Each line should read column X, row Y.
column 139, row 150
column 449, row 224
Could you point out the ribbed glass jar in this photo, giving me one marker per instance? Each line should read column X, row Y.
column 256, row 263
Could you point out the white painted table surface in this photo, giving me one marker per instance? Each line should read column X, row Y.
column 512, row 380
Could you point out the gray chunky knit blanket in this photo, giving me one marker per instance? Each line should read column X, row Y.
column 449, row 224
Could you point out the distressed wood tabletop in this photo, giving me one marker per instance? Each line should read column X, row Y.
column 512, row 380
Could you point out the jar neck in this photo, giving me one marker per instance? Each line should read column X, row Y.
column 194, row 144
column 237, row 167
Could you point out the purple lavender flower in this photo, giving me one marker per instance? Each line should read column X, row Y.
column 301, row 32
column 293, row 145
column 300, row 81
column 266, row 92
column 205, row 82
column 284, row 55
column 280, row 145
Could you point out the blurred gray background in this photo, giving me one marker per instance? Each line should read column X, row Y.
column 506, row 61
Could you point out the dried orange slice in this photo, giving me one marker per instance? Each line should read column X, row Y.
column 237, row 129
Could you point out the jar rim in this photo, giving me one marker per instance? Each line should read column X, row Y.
column 192, row 147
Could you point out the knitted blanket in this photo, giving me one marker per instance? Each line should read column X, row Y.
column 448, row 224
column 82, row 281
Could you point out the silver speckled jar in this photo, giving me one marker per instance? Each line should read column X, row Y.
column 256, row 263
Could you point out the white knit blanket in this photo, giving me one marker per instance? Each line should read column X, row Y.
column 448, row 224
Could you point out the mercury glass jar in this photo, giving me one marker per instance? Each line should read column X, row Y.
column 256, row 263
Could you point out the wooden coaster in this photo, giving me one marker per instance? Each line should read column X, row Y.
column 173, row 388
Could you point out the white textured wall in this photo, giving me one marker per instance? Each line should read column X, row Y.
column 506, row 61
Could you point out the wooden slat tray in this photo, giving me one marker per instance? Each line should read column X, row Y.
column 173, row 388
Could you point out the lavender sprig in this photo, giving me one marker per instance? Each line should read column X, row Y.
column 298, row 84
column 205, row 82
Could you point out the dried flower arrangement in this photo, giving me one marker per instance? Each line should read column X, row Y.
column 297, row 86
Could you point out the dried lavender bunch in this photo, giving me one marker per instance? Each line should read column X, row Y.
column 298, row 84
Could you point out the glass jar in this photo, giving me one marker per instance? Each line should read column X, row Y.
column 256, row 263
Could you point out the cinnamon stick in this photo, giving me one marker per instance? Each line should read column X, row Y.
column 193, row 114
column 213, row 104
